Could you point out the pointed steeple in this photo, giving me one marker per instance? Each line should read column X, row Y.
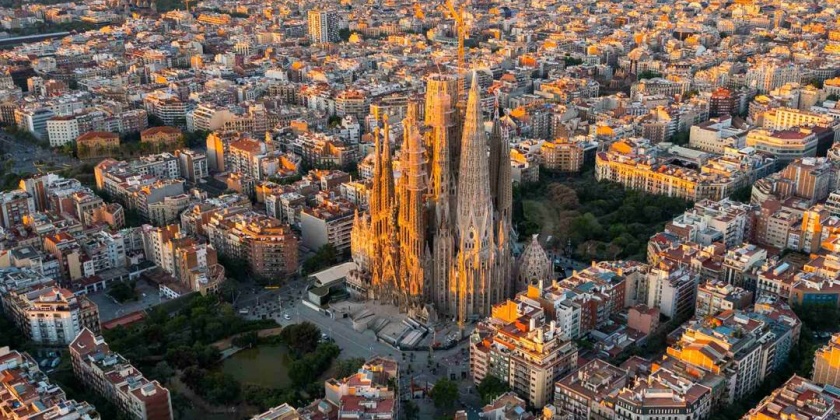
column 412, row 229
column 387, row 165
column 495, row 151
column 441, row 182
column 503, row 181
column 474, row 174
column 474, row 276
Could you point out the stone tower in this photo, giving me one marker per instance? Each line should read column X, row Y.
column 474, row 277
column 439, row 116
column 501, row 185
column 383, row 211
column 412, row 229
column 448, row 85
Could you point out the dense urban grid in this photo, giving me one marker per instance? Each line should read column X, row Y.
column 552, row 209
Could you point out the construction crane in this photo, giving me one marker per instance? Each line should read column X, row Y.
column 461, row 33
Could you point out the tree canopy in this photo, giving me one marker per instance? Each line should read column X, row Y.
column 491, row 387
column 301, row 338
column 444, row 393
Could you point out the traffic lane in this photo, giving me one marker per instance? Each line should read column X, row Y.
column 344, row 335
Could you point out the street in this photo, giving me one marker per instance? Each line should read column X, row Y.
column 285, row 306
column 25, row 155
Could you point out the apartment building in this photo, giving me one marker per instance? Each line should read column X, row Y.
column 244, row 155
column 663, row 395
column 193, row 165
column 141, row 198
column 739, row 263
column 710, row 221
column 672, row 290
column 775, row 278
column 743, row 346
column 34, row 120
column 798, row 398
column 15, row 206
column 520, row 348
column 72, row 261
column 356, row 192
column 814, row 289
column 268, row 245
column 106, row 250
column 62, row 130
column 352, row 102
column 113, row 377
column 827, row 363
column 168, row 107
column 784, row 118
column 590, row 391
column 156, row 247
column 327, row 223
column 784, row 145
column 716, row 135
column 128, row 183
column 366, row 394
column 562, row 155
column 507, row 406
column 637, row 165
column 715, row 297
column 162, row 165
column 243, row 118
column 168, row 210
column 322, row 26
column 286, row 207
column 84, row 204
column 809, row 178
column 196, row 265
column 196, row 216
column 27, row 393
column 51, row 315
column 281, row 412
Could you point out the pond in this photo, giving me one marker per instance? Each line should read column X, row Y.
column 261, row 365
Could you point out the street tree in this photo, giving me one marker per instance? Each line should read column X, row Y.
column 444, row 393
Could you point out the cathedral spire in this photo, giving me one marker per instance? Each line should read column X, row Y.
column 441, row 178
column 495, row 152
column 474, row 173
column 412, row 230
column 383, row 221
column 474, row 275
column 387, row 165
column 502, row 180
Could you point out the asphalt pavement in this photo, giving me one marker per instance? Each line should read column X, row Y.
column 25, row 154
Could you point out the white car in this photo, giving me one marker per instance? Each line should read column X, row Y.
column 287, row 317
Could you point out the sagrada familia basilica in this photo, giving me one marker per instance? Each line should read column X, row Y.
column 439, row 238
